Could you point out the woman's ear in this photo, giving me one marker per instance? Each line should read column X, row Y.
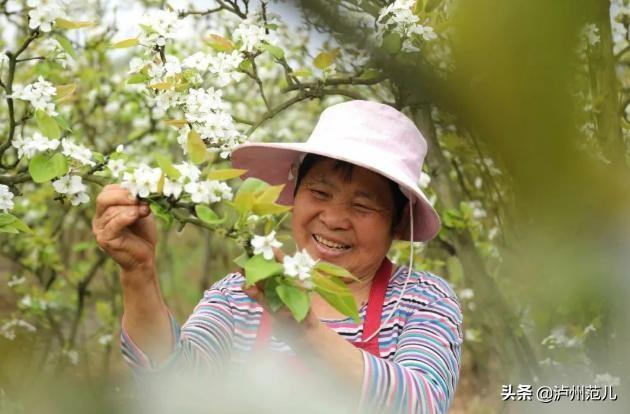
column 403, row 223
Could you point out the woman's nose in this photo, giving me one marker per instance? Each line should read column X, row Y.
column 335, row 217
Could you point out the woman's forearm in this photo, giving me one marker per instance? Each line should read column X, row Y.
column 146, row 319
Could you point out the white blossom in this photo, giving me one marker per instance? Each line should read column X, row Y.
column 188, row 171
column 199, row 61
column 6, row 198
column 143, row 181
column 300, row 266
column 8, row 329
column 158, row 26
column 105, row 340
column 72, row 355
column 264, row 245
column 424, row 181
column 251, row 35
column 39, row 93
column 77, row 152
column 398, row 17
column 224, row 65
column 116, row 167
column 69, row 184
column 172, row 188
column 29, row 146
column 79, row 198
column 208, row 191
column 591, row 34
column 43, row 13
column 16, row 281
column 201, row 103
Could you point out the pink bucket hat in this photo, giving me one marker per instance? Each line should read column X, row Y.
column 364, row 133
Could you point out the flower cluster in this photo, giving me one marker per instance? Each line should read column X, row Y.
column 159, row 25
column 222, row 65
column 300, row 266
column 6, row 198
column 265, row 244
column 77, row 152
column 399, row 18
column 8, row 329
column 251, row 35
column 39, row 93
column 145, row 180
column 43, row 13
column 29, row 146
column 72, row 186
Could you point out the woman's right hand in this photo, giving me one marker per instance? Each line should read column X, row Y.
column 124, row 228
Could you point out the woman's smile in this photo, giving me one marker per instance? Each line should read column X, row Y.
column 329, row 248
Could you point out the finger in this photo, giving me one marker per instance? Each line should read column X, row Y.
column 114, row 211
column 117, row 224
column 113, row 196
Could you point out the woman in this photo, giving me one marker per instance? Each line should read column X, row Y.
column 353, row 186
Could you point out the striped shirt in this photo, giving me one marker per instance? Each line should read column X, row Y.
column 420, row 346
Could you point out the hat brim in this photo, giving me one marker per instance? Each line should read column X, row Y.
column 272, row 162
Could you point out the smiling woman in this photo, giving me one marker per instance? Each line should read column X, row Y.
column 353, row 187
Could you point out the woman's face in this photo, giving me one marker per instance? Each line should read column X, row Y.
column 347, row 223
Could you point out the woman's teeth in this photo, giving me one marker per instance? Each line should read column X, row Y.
column 329, row 243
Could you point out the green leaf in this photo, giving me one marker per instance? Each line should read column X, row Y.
column 271, row 295
column 252, row 185
column 302, row 73
column 257, row 269
column 241, row 260
column 69, row 24
column 61, row 121
column 243, row 202
column 123, row 44
column 392, row 43
column 44, row 167
column 343, row 303
column 275, row 51
column 269, row 194
column 333, row 269
column 297, row 300
column 47, row 125
column 137, row 78
column 66, row 45
column 269, row 208
column 167, row 167
column 98, row 157
column 324, row 59
column 225, row 174
column 196, row 147
column 220, row 43
column 161, row 212
column 11, row 224
column 369, row 74
column 207, row 215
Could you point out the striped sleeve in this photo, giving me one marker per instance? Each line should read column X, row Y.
column 203, row 343
column 423, row 373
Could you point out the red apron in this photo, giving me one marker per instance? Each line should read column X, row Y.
column 372, row 320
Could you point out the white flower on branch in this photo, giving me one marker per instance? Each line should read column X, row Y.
column 28, row 147
column 116, row 167
column 224, row 65
column 300, row 266
column 399, row 18
column 43, row 13
column 188, row 171
column 172, row 188
column 198, row 61
column 251, row 35
column 8, row 329
column 6, row 198
column 69, row 185
column 158, row 26
column 265, row 245
column 202, row 103
column 77, row 152
column 39, row 93
column 143, row 181
column 208, row 191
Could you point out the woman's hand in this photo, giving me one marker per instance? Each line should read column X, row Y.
column 124, row 229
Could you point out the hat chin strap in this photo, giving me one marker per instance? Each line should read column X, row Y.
column 383, row 324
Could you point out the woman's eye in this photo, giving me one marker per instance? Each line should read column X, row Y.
column 362, row 207
column 319, row 194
